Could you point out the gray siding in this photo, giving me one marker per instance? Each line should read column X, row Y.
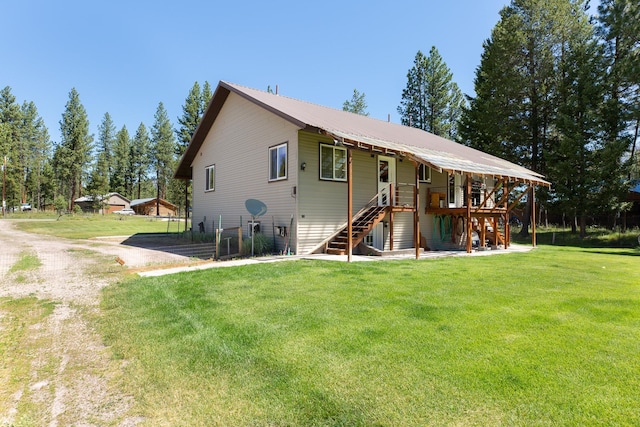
column 322, row 205
column 238, row 144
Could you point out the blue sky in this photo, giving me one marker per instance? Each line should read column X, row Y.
column 126, row 56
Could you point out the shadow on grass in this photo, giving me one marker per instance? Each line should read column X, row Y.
column 173, row 243
column 635, row 252
column 595, row 238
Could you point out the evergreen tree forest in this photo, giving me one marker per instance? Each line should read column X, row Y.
column 559, row 93
column 557, row 90
column 49, row 174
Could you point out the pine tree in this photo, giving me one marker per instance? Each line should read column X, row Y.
column 575, row 165
column 10, row 119
column 619, row 29
column 106, row 141
column 207, row 94
column 140, row 158
column 192, row 111
column 357, row 104
column 191, row 114
column 37, row 149
column 516, row 104
column 430, row 98
column 121, row 179
column 74, row 149
column 163, row 143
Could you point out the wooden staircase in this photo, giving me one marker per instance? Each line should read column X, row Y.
column 361, row 226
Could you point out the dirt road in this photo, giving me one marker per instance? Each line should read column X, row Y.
column 73, row 379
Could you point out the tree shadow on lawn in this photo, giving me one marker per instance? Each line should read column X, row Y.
column 597, row 239
column 171, row 243
column 612, row 251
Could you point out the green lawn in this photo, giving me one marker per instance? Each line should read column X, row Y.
column 550, row 337
column 87, row 226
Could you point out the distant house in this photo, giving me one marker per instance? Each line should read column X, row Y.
column 322, row 172
column 108, row 203
column 149, row 206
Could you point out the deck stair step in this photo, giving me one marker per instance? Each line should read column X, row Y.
column 360, row 227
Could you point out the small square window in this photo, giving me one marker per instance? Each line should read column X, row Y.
column 210, row 178
column 278, row 162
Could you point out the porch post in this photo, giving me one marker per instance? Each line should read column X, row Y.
column 186, row 204
column 507, row 226
column 533, row 215
column 349, row 205
column 468, row 228
column 416, row 213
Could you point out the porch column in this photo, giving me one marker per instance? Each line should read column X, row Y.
column 349, row 205
column 533, row 215
column 416, row 212
column 186, row 204
column 507, row 226
column 468, row 228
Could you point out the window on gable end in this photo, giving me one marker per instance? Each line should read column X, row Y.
column 210, row 178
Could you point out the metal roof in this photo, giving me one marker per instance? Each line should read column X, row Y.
column 361, row 132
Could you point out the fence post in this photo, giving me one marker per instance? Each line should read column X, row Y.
column 216, row 243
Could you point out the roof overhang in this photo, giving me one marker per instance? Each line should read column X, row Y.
column 440, row 161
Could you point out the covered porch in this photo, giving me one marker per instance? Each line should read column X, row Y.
column 486, row 216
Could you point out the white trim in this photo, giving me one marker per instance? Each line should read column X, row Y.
column 333, row 163
column 209, row 176
column 279, row 165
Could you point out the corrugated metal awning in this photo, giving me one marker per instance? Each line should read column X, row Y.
column 484, row 164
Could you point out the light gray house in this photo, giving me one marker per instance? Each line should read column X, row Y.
column 327, row 172
column 108, row 203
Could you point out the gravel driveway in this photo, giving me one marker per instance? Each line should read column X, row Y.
column 82, row 388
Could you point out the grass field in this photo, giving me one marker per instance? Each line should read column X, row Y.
column 87, row 226
column 550, row 337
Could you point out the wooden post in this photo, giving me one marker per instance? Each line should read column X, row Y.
column 186, row 205
column 507, row 226
column 217, row 243
column 391, row 219
column 533, row 215
column 416, row 212
column 349, row 205
column 468, row 228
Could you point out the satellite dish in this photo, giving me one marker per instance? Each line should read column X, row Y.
column 255, row 207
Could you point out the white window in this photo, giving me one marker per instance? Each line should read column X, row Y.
column 333, row 163
column 210, row 178
column 278, row 162
column 424, row 174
